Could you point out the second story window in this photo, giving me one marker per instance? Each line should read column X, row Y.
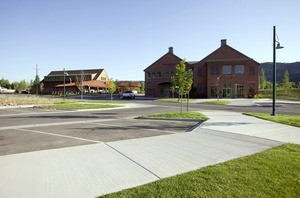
column 252, row 70
column 148, row 74
column 167, row 74
column 199, row 71
column 239, row 69
column 158, row 74
column 226, row 69
column 214, row 70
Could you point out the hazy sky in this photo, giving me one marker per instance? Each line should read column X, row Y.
column 126, row 36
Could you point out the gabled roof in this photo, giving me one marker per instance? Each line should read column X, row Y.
column 169, row 53
column 75, row 72
column 226, row 53
column 90, row 83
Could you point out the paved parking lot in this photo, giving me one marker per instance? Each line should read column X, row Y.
column 30, row 129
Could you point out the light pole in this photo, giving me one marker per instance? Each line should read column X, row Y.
column 64, row 83
column 65, row 73
column 274, row 69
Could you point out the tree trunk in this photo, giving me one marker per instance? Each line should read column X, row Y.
column 181, row 105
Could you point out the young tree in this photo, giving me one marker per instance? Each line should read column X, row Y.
column 41, row 86
column 183, row 80
column 262, row 79
column 286, row 84
column 36, row 83
column 111, row 87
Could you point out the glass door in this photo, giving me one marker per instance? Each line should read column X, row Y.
column 227, row 92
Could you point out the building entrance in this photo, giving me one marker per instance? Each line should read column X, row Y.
column 227, row 91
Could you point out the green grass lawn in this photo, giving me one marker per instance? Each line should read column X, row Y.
column 293, row 120
column 174, row 100
column 83, row 105
column 272, row 173
column 218, row 102
column 177, row 115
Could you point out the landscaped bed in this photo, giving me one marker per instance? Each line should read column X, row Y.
column 177, row 115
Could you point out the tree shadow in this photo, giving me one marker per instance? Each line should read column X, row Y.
column 225, row 123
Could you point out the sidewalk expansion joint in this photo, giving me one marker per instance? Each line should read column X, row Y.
column 124, row 155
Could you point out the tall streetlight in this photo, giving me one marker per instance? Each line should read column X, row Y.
column 276, row 45
column 65, row 73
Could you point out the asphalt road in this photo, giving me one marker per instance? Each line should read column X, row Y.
column 31, row 129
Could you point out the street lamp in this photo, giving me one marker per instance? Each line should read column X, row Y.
column 276, row 45
column 65, row 73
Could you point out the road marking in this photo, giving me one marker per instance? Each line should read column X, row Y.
column 59, row 135
column 53, row 124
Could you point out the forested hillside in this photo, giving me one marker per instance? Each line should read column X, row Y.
column 293, row 69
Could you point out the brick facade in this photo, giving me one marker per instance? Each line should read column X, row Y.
column 225, row 73
column 158, row 75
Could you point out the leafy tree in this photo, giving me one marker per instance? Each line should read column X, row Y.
column 142, row 87
column 286, row 84
column 262, row 79
column 36, row 83
column 14, row 85
column 117, row 83
column 4, row 83
column 41, row 87
column 111, row 87
column 22, row 86
column 183, row 80
column 36, row 80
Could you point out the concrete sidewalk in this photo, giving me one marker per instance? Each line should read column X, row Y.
column 102, row 168
column 235, row 122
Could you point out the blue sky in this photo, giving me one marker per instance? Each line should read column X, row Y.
column 125, row 37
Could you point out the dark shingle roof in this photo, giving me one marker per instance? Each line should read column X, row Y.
column 75, row 72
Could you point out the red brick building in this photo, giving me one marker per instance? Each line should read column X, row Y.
column 90, row 81
column 225, row 73
column 158, row 75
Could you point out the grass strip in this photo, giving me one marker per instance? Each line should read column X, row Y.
column 79, row 106
column 177, row 115
column 218, row 102
column 173, row 100
column 272, row 173
column 293, row 120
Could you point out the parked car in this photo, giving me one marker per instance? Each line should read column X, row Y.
column 128, row 95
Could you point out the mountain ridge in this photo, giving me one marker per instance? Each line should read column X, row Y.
column 293, row 69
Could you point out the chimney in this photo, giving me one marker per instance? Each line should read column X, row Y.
column 171, row 50
column 223, row 42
